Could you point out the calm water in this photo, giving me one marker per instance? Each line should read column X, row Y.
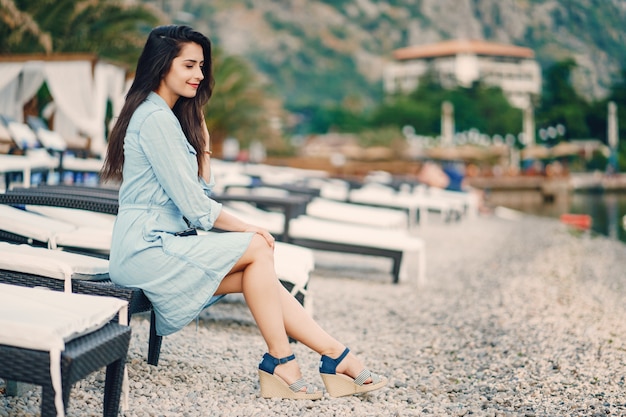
column 605, row 209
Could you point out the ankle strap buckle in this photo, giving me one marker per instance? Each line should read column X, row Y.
column 269, row 363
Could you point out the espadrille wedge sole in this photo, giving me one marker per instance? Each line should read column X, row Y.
column 273, row 386
column 339, row 385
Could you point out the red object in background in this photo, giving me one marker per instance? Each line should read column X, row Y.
column 580, row 221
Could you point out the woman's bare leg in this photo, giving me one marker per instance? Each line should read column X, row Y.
column 302, row 327
column 254, row 276
column 278, row 314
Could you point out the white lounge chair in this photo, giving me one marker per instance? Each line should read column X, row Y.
column 35, row 161
column 388, row 218
column 68, row 162
column 406, row 251
column 53, row 232
column 417, row 206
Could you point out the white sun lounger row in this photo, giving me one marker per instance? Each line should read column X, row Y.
column 44, row 151
column 406, row 251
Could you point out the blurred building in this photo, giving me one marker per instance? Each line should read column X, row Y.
column 462, row 62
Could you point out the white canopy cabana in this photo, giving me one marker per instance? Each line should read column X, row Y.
column 80, row 86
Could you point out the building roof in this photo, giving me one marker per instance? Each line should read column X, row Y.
column 459, row 46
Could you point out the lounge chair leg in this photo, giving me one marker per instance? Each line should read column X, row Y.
column 112, row 390
column 154, row 343
column 395, row 272
column 48, row 406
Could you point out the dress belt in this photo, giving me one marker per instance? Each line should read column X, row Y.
column 149, row 207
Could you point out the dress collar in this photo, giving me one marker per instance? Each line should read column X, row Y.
column 158, row 100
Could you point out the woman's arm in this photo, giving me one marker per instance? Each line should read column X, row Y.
column 228, row 222
column 173, row 162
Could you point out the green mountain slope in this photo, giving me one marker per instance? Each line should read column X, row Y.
column 316, row 52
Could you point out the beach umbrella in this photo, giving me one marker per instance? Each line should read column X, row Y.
column 535, row 152
column 565, row 149
column 472, row 153
column 377, row 153
column 444, row 153
column 459, row 153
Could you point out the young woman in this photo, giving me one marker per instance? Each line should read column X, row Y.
column 159, row 149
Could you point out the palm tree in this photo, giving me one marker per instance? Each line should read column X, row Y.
column 107, row 28
column 16, row 27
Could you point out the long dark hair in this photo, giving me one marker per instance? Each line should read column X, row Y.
column 163, row 45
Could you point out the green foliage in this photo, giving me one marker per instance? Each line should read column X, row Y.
column 307, row 80
column 478, row 107
column 237, row 107
column 621, row 158
column 561, row 104
column 598, row 162
column 280, row 25
column 384, row 137
column 107, row 28
column 401, row 111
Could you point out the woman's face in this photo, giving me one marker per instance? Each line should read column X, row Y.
column 184, row 75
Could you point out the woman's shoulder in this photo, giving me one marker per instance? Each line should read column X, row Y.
column 151, row 109
column 154, row 103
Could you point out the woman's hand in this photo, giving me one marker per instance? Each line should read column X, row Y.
column 267, row 235
column 228, row 222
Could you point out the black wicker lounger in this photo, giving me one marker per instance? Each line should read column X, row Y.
column 137, row 301
column 107, row 346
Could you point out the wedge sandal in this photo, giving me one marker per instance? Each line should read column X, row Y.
column 339, row 385
column 273, row 386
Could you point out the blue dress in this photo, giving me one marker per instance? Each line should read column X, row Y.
column 160, row 189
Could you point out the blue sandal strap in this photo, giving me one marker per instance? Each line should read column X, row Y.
column 269, row 363
column 328, row 365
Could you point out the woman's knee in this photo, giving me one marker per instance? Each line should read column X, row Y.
column 257, row 252
column 259, row 249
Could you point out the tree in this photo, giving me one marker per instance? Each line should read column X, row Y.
column 240, row 106
column 423, row 115
column 109, row 28
column 18, row 29
column 561, row 104
column 485, row 108
column 480, row 107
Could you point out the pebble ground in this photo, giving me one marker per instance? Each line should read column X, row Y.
column 519, row 317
